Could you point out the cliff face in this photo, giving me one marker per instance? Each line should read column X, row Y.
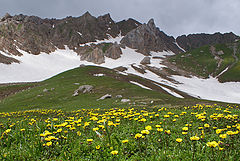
column 193, row 41
column 148, row 37
column 35, row 35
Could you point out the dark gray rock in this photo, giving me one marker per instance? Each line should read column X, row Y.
column 96, row 56
column 114, row 51
column 146, row 60
column 193, row 41
column 148, row 37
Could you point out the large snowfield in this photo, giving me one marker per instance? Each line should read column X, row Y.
column 40, row 67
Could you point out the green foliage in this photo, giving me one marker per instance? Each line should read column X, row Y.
column 183, row 133
column 19, row 27
column 199, row 61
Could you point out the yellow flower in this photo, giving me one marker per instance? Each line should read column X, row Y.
column 206, row 125
column 194, row 138
column 22, row 129
column 160, row 129
column 115, row 152
column 79, row 133
column 143, row 120
column 137, row 136
column 218, row 131
column 212, row 144
column 125, row 141
column 179, row 140
column 98, row 147
column 148, row 127
column 167, row 132
column 184, row 133
column 95, row 129
column 230, row 132
column 145, row 132
column 185, row 128
column 166, row 116
column 158, row 126
column 59, row 130
column 49, row 143
column 7, row 131
column 49, row 138
column 89, row 140
column 223, row 136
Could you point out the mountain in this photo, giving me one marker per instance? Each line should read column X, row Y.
column 194, row 41
column 35, row 49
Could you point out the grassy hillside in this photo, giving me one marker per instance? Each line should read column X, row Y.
column 202, row 62
column 61, row 88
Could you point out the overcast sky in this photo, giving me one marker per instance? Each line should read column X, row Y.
column 174, row 17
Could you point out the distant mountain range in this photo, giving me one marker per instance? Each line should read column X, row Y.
column 33, row 49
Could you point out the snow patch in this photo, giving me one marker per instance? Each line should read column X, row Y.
column 110, row 39
column 179, row 46
column 169, row 91
column 98, row 75
column 80, row 33
column 210, row 89
column 140, row 85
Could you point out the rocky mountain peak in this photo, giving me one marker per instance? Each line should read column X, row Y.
column 151, row 24
column 192, row 41
column 147, row 37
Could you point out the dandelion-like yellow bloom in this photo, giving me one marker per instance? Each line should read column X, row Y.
column 179, row 140
column 223, row 136
column 125, row 141
column 212, row 144
column 95, row 129
column 22, row 129
column 194, row 138
column 160, row 129
column 145, row 132
column 79, row 133
column 167, row 132
column 98, row 147
column 148, row 127
column 206, row 125
column 115, row 152
column 137, row 136
column 89, row 140
column 49, row 143
column 185, row 128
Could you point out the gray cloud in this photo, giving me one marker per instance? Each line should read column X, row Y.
column 174, row 17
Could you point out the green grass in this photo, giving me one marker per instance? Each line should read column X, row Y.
column 201, row 62
column 59, row 135
column 198, row 61
column 63, row 88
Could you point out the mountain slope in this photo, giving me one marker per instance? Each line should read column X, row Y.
column 57, row 92
column 220, row 61
column 35, row 49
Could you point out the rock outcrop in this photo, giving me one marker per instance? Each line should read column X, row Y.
column 83, row 89
column 148, row 37
column 96, row 56
column 35, row 35
column 114, row 51
column 146, row 60
column 193, row 41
